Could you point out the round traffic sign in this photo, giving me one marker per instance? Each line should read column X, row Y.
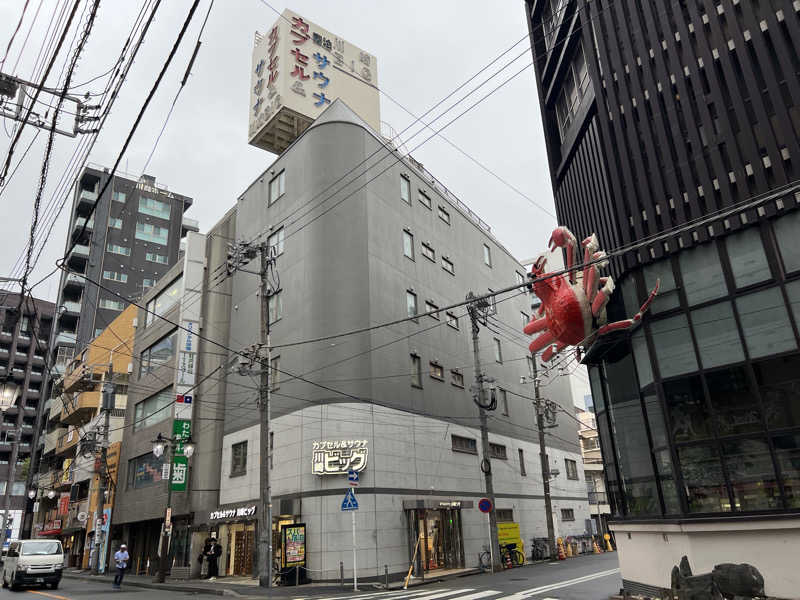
column 485, row 505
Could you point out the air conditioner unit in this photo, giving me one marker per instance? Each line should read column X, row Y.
column 130, row 368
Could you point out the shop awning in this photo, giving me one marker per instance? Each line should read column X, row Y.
column 50, row 531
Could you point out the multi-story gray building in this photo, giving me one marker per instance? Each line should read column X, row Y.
column 395, row 400
column 23, row 350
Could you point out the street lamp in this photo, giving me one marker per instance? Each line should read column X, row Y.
column 31, row 494
column 9, row 394
column 51, row 494
column 160, row 445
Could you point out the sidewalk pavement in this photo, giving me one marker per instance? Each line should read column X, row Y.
column 246, row 587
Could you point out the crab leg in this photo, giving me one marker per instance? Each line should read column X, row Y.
column 564, row 238
column 628, row 323
column 535, row 325
column 603, row 295
column 541, row 341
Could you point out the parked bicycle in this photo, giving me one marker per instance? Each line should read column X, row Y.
column 539, row 549
column 507, row 552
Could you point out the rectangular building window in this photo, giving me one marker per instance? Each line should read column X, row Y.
column 111, row 304
column 239, row 458
column 164, row 301
column 498, row 351
column 416, row 371
column 275, row 373
column 464, row 444
column 152, row 233
column 158, row 354
column 504, row 515
column 502, row 400
column 522, row 470
column 405, row 189
column 148, row 283
column 524, row 318
column 487, row 255
column 448, row 266
column 428, row 252
column 437, row 371
column 154, row 208
column 124, row 250
column 277, row 187
column 425, row 199
column 276, row 241
column 444, row 215
column 567, row 514
column 275, row 304
column 145, row 471
column 114, row 276
column 156, row 258
column 452, row 320
column 430, row 307
column 572, row 468
column 154, row 409
column 520, row 277
column 118, row 196
column 457, row 378
column 408, row 244
column 498, row 451
column 115, row 223
column 411, row 303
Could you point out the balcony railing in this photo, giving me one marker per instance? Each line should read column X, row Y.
column 72, row 306
column 66, row 337
column 598, row 498
column 81, row 250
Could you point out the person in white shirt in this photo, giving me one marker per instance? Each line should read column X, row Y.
column 121, row 558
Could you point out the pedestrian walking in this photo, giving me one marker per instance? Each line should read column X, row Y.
column 121, row 558
column 204, row 555
column 212, row 557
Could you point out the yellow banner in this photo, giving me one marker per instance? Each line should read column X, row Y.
column 508, row 533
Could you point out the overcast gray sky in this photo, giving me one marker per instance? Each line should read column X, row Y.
column 425, row 50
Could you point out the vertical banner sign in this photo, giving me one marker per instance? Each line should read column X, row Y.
column 180, row 469
column 293, row 542
column 181, row 431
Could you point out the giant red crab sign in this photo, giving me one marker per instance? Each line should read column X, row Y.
column 573, row 309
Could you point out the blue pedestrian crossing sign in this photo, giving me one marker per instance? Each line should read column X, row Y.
column 350, row 502
column 352, row 478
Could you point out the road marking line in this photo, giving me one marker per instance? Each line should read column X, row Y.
column 522, row 595
column 402, row 594
column 478, row 595
column 56, row 596
column 433, row 595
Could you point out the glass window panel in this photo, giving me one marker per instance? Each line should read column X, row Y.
column 162, row 303
column 630, row 296
column 748, row 261
column 597, row 390
column 673, row 346
column 751, row 474
column 786, row 229
column 655, row 418
column 686, row 406
column 667, row 292
column 630, row 438
column 787, row 452
column 717, row 336
column 145, row 470
column 702, row 476
column 153, row 207
column 666, row 478
column 765, row 323
column 408, row 245
column 702, row 274
column 642, row 356
column 779, row 382
column 735, row 405
column 793, row 291
column 153, row 409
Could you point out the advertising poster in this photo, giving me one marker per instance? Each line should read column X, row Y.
column 508, row 533
column 293, row 538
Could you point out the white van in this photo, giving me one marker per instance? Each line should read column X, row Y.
column 33, row 562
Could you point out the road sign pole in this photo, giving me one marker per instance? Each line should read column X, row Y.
column 491, row 548
column 355, row 574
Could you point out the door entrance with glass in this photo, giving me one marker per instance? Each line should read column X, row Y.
column 439, row 534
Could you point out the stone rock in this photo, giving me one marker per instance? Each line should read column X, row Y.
column 738, row 580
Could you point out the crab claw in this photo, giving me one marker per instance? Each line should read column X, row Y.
column 539, row 265
column 561, row 238
column 591, row 244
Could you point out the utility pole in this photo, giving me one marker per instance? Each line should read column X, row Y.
column 478, row 311
column 108, row 398
column 542, row 409
column 240, row 254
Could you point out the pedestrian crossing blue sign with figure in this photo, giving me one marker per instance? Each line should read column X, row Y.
column 350, row 502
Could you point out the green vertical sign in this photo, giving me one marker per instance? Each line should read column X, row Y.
column 181, row 430
column 180, row 473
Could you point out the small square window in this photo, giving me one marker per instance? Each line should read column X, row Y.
column 464, row 444
column 416, row 371
column 239, row 459
column 522, row 471
column 452, row 320
column 448, row 266
column 430, row 307
column 411, row 303
column 437, row 371
column 457, row 378
column 275, row 307
column 502, row 400
column 408, row 245
column 444, row 215
column 277, row 187
column 498, row 451
column 487, row 255
column 504, row 515
column 276, row 241
column 428, row 252
column 520, row 277
column 425, row 199
column 572, row 468
column 405, row 189
column 498, row 351
column 567, row 514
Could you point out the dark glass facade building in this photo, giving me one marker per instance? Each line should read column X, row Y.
column 672, row 132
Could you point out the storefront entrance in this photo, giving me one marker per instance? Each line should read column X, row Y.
column 240, row 549
column 438, row 532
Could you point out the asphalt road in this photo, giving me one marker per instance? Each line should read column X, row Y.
column 592, row 577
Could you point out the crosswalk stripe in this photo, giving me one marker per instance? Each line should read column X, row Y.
column 477, row 595
column 524, row 594
column 440, row 594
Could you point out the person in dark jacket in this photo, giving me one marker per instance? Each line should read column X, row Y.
column 213, row 557
column 204, row 555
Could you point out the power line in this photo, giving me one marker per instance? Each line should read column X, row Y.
column 14, row 34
